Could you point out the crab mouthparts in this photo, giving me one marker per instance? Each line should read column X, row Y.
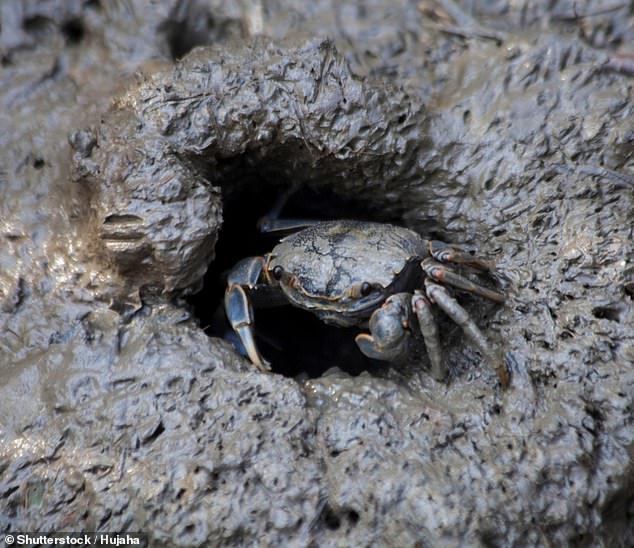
column 333, row 318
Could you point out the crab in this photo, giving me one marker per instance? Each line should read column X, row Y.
column 366, row 274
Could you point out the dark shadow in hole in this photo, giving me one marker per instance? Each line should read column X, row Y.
column 331, row 519
column 295, row 341
column 191, row 24
column 610, row 312
column 160, row 428
column 37, row 25
column 73, row 31
column 179, row 38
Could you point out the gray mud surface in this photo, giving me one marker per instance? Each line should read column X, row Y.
column 506, row 127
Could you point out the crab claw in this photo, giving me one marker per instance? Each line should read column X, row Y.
column 389, row 330
column 240, row 314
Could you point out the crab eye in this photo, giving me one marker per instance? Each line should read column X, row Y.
column 366, row 289
column 278, row 271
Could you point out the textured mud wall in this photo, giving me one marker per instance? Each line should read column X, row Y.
column 508, row 128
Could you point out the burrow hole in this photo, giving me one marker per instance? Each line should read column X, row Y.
column 192, row 24
column 333, row 520
column 295, row 341
column 612, row 312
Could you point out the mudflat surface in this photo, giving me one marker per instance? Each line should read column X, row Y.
column 136, row 140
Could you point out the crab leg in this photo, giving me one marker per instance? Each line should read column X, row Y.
column 427, row 324
column 442, row 274
column 273, row 223
column 447, row 254
column 284, row 226
column 450, row 306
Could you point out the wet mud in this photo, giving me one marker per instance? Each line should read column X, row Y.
column 139, row 143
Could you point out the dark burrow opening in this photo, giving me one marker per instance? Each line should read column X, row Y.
column 295, row 341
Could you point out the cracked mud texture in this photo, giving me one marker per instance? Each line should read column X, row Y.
column 119, row 413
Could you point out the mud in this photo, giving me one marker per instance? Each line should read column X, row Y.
column 506, row 129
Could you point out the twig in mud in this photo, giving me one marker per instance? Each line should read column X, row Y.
column 605, row 173
column 466, row 26
column 621, row 62
column 480, row 33
column 623, row 180
column 576, row 16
